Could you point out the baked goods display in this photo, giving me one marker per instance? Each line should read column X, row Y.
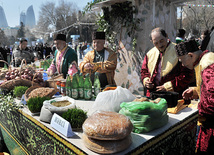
column 104, row 130
column 106, row 125
column 106, row 146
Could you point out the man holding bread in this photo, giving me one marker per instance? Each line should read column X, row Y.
column 101, row 60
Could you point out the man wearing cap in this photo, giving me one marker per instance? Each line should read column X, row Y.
column 101, row 60
column 161, row 70
column 65, row 61
column 22, row 52
column 203, row 63
column 180, row 36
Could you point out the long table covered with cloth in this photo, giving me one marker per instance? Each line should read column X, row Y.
column 26, row 134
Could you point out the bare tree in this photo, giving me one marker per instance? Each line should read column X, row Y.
column 196, row 19
column 64, row 18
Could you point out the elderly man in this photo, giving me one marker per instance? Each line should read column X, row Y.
column 65, row 61
column 22, row 52
column 203, row 63
column 101, row 59
column 161, row 70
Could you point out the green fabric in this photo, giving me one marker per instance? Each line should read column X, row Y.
column 69, row 57
column 145, row 116
column 25, row 136
column 1, row 142
column 12, row 145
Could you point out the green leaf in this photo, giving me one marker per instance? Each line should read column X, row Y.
column 117, row 70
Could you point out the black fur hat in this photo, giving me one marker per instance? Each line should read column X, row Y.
column 185, row 47
column 98, row 35
column 60, row 37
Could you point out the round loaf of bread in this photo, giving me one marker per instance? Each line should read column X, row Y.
column 107, row 125
column 106, row 146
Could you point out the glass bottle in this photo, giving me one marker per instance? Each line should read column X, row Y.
column 68, row 85
column 81, row 86
column 97, row 87
column 87, row 87
column 75, row 86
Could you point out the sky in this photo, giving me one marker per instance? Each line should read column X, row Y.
column 13, row 8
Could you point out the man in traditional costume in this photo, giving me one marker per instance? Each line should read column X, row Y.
column 101, row 60
column 161, row 70
column 203, row 63
column 65, row 61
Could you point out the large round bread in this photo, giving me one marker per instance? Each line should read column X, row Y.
column 106, row 125
column 106, row 146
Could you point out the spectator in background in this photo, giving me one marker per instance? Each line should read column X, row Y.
column 47, row 50
column 39, row 49
column 204, row 40
column 210, row 45
column 22, row 52
column 86, row 50
column 84, row 46
column 80, row 51
column 1, row 56
column 180, row 35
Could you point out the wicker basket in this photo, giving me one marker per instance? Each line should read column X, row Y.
column 51, row 91
column 53, row 80
column 2, row 75
column 9, row 85
column 29, row 90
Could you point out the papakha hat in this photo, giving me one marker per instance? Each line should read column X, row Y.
column 185, row 47
column 60, row 37
column 98, row 35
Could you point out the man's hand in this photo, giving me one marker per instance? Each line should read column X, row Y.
column 160, row 88
column 149, row 84
column 89, row 66
column 188, row 94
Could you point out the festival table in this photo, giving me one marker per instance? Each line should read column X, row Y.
column 26, row 134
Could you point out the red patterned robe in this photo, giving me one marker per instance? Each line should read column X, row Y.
column 173, row 75
column 204, row 69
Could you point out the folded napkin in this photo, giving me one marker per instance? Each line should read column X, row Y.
column 177, row 108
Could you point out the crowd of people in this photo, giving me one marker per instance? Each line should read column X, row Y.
column 4, row 54
column 167, row 66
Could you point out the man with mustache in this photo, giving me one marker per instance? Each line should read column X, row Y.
column 161, row 70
